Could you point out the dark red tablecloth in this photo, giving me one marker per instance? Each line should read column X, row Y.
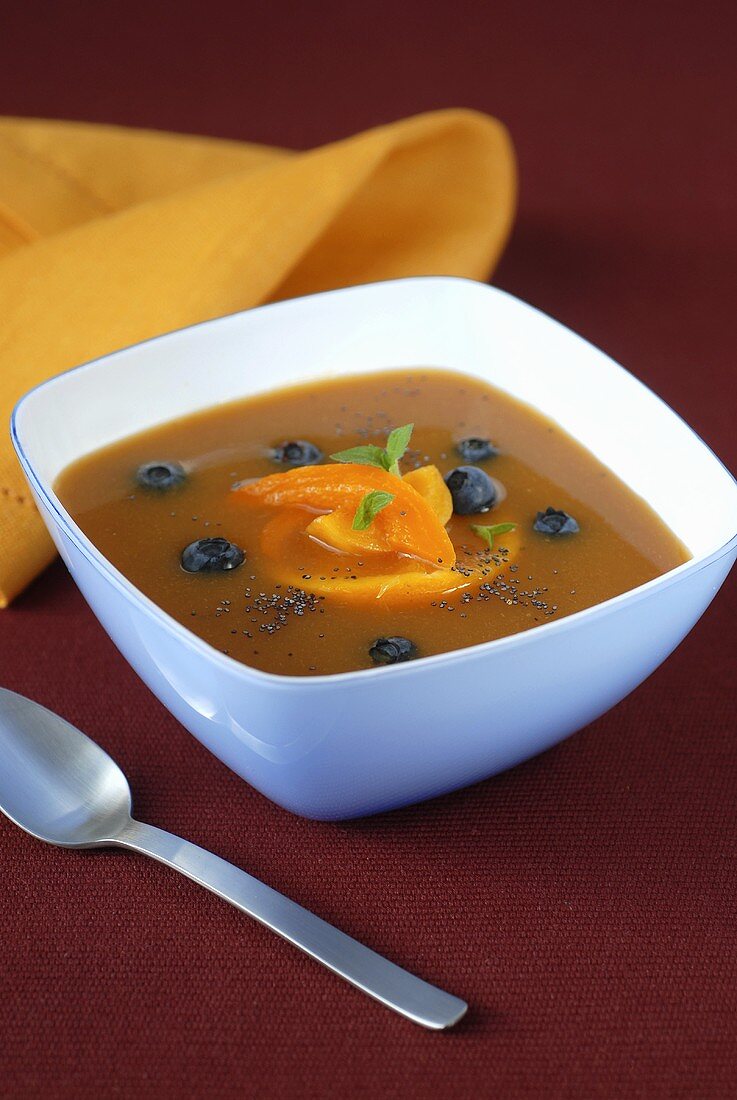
column 584, row 903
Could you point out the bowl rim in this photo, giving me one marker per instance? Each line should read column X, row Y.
column 286, row 681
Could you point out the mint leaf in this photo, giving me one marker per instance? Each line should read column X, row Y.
column 370, row 507
column 487, row 532
column 371, row 455
column 397, row 444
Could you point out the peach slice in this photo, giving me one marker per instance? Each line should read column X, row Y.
column 429, row 483
column 409, row 526
column 336, row 528
column 393, row 579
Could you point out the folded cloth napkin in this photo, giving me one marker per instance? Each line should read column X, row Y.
column 109, row 236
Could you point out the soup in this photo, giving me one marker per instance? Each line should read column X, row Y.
column 360, row 521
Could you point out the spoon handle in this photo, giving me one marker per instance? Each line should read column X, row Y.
column 396, row 988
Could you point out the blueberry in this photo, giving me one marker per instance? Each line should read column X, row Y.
column 298, row 452
column 211, row 556
column 476, row 450
column 471, row 489
column 555, row 522
column 160, row 475
column 390, row 651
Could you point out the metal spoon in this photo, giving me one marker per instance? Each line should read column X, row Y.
column 62, row 788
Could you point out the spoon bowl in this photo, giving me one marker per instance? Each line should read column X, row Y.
column 55, row 782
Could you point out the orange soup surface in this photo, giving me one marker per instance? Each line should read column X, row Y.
column 453, row 514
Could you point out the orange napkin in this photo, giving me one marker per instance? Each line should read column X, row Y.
column 109, row 236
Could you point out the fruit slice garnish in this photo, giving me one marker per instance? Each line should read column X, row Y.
column 429, row 483
column 409, row 526
column 305, row 563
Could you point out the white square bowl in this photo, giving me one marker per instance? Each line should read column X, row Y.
column 357, row 743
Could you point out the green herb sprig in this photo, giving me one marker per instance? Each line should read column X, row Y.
column 386, row 458
column 487, row 533
column 370, row 507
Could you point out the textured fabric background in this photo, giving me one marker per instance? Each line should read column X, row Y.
column 584, row 903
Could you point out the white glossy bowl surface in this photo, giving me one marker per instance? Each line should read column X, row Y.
column 357, row 743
